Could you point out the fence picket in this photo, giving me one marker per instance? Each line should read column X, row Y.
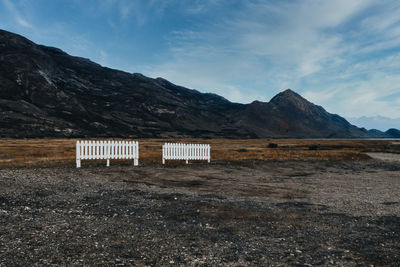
column 101, row 150
column 88, row 148
column 91, row 149
column 124, row 154
column 78, row 154
column 174, row 151
column 108, row 149
column 200, row 153
column 112, row 150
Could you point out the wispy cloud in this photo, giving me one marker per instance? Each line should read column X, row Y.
column 333, row 52
column 16, row 13
column 201, row 6
column 141, row 11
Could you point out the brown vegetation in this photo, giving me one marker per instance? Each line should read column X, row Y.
column 47, row 152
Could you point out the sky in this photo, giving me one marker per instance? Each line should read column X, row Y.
column 341, row 54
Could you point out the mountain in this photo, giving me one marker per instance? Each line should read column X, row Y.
column 377, row 122
column 44, row 92
column 393, row 133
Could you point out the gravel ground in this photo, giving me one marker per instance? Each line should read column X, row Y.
column 252, row 213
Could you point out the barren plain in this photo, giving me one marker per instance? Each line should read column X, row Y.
column 304, row 202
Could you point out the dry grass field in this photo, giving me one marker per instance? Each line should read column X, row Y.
column 50, row 152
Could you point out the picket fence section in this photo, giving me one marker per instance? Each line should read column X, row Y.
column 173, row 151
column 107, row 150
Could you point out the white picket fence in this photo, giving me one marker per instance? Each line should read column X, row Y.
column 107, row 150
column 171, row 151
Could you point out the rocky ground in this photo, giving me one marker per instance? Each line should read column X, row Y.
column 249, row 213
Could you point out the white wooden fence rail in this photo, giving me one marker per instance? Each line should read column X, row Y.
column 107, row 150
column 171, row 151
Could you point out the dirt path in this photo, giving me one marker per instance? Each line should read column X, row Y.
column 384, row 156
column 254, row 213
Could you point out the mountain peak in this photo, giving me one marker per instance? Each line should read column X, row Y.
column 288, row 93
column 288, row 97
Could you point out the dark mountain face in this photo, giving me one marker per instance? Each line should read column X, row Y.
column 45, row 92
column 290, row 115
column 393, row 133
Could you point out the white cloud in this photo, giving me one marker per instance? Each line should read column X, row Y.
column 103, row 58
column 23, row 22
column 295, row 33
column 18, row 17
column 200, row 6
column 141, row 11
column 327, row 50
column 358, row 98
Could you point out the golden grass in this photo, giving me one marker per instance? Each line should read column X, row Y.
column 47, row 152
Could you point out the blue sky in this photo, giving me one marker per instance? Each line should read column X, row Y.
column 343, row 55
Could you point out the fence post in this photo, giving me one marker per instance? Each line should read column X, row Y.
column 131, row 151
column 208, row 154
column 108, row 153
column 78, row 154
column 136, row 160
column 163, row 154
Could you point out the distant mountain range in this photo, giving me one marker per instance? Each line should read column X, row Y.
column 377, row 122
column 45, row 92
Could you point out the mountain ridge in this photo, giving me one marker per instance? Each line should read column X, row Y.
column 44, row 92
column 380, row 123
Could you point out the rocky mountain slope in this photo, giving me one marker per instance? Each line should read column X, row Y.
column 45, row 92
column 393, row 133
